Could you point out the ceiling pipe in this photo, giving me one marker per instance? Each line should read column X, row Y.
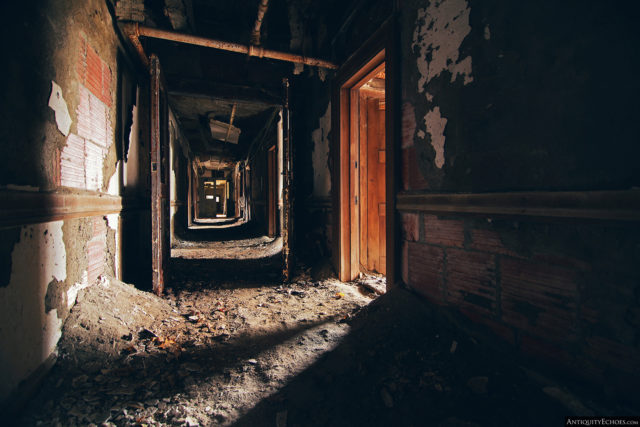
column 255, row 35
column 233, row 114
column 131, row 31
column 135, row 31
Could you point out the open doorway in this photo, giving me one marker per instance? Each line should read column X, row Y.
column 363, row 114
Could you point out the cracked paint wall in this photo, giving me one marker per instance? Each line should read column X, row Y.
column 58, row 139
column 28, row 331
column 320, row 156
column 506, row 96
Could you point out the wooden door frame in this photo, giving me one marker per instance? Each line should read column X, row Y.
column 272, row 203
column 159, row 170
column 381, row 47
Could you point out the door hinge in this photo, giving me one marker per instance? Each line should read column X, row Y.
column 356, row 164
column 356, row 200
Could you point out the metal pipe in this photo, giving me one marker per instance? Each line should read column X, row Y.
column 233, row 114
column 255, row 35
column 257, row 51
column 133, row 34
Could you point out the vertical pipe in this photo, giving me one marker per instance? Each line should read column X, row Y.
column 280, row 137
column 255, row 35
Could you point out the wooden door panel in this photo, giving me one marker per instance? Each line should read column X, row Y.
column 375, row 181
column 363, row 179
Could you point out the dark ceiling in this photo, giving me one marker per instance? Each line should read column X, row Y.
column 205, row 82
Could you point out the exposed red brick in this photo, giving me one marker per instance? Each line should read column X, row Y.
column 99, row 226
column 501, row 330
column 539, row 298
column 404, row 262
column 416, row 179
column 410, row 226
column 562, row 261
column 617, row 355
column 93, row 72
column 444, row 232
column 408, row 124
column 545, row 350
column 96, row 248
column 488, row 241
column 404, row 168
column 471, row 280
column 425, row 270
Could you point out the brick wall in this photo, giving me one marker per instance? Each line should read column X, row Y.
column 568, row 306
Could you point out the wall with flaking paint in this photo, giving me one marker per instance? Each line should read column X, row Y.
column 57, row 136
column 500, row 96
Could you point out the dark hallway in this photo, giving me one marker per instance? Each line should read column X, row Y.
column 292, row 212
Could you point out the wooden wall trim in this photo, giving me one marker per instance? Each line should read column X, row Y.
column 603, row 205
column 22, row 208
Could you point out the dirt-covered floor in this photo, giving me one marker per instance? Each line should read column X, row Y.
column 235, row 349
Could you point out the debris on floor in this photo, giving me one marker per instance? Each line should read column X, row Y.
column 254, row 354
column 198, row 356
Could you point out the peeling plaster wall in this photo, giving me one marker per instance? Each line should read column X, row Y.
column 29, row 331
column 320, row 156
column 57, row 136
column 504, row 96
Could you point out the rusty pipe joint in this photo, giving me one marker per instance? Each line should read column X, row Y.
column 256, row 51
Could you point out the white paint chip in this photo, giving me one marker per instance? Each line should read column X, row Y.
column 438, row 36
column 114, row 188
column 435, row 124
column 59, row 106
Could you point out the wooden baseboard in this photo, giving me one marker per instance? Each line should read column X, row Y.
column 22, row 208
column 621, row 205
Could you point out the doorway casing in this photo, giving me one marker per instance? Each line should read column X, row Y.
column 378, row 50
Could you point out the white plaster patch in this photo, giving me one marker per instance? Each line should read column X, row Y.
column 72, row 292
column 113, row 221
column 114, row 188
column 59, row 106
column 320, row 156
column 435, row 124
column 25, row 327
column 440, row 30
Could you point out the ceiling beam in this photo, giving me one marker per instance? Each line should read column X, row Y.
column 136, row 30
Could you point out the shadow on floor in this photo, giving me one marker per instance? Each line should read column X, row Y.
column 399, row 368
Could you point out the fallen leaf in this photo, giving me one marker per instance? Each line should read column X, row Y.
column 339, row 295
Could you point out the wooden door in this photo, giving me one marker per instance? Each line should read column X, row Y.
column 160, row 238
column 372, row 184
